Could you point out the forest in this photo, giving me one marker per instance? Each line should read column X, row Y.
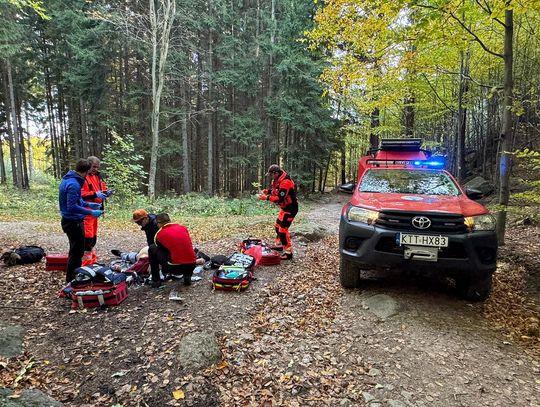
column 202, row 96
column 187, row 104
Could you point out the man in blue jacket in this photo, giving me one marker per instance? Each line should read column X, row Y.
column 73, row 210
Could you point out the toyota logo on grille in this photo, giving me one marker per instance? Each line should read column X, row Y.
column 421, row 222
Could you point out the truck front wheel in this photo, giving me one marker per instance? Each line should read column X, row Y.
column 349, row 273
column 475, row 288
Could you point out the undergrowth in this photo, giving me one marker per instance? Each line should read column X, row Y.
column 213, row 214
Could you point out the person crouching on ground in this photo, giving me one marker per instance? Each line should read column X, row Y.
column 173, row 251
column 283, row 194
column 148, row 224
column 73, row 210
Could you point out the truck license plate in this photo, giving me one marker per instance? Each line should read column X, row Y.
column 421, row 240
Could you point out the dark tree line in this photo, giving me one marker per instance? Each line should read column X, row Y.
column 239, row 90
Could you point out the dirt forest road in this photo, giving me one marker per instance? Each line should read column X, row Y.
column 294, row 338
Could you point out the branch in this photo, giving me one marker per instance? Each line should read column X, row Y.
column 487, row 10
column 472, row 34
column 470, row 78
column 437, row 94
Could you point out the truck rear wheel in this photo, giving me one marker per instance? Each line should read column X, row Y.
column 349, row 273
column 476, row 288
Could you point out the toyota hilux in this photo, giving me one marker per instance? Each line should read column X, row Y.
column 408, row 212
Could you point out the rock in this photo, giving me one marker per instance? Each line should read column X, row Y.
column 198, row 350
column 525, row 221
column 11, row 340
column 374, row 372
column 344, row 403
column 368, row 396
column 381, row 305
column 406, row 394
column 480, row 184
column 28, row 398
column 310, row 232
column 396, row 403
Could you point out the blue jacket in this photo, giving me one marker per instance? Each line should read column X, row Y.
column 72, row 206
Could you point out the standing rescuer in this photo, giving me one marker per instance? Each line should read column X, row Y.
column 93, row 190
column 283, row 194
column 73, row 210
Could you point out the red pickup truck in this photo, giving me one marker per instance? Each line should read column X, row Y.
column 407, row 211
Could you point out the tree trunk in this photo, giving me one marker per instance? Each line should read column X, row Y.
column 462, row 116
column 408, row 114
column 186, row 162
column 83, row 140
column 3, row 177
column 375, row 123
column 18, row 176
column 505, row 164
column 210, row 116
column 29, row 142
column 20, row 136
column 161, row 18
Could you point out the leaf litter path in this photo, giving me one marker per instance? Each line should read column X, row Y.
column 294, row 338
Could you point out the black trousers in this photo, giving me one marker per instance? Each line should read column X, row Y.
column 75, row 232
column 159, row 256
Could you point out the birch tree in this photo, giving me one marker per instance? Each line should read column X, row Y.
column 161, row 14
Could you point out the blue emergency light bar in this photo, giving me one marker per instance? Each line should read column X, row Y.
column 433, row 162
column 437, row 162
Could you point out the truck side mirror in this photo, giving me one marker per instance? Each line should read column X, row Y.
column 347, row 188
column 473, row 193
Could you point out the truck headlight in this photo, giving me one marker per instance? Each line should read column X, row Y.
column 356, row 214
column 481, row 222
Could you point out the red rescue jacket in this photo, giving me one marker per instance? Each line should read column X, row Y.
column 283, row 193
column 175, row 238
column 92, row 184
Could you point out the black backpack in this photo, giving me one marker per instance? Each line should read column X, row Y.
column 23, row 255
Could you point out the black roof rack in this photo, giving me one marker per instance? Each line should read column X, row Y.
column 401, row 144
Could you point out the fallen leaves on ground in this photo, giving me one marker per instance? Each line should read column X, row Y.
column 512, row 308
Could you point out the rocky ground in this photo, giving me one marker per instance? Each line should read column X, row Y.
column 295, row 337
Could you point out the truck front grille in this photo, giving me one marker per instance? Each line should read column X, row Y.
column 440, row 222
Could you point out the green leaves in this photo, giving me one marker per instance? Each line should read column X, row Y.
column 124, row 172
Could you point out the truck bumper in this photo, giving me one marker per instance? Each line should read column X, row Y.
column 473, row 254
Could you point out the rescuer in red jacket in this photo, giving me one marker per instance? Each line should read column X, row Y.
column 283, row 194
column 93, row 190
column 173, row 251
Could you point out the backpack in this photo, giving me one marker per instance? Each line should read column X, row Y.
column 264, row 255
column 232, row 278
column 23, row 255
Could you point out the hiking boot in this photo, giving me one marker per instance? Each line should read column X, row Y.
column 156, row 284
column 187, row 281
column 116, row 252
column 286, row 256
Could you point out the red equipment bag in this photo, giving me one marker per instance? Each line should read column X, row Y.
column 56, row 262
column 232, row 278
column 96, row 295
column 263, row 254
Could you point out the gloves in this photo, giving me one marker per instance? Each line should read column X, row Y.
column 263, row 197
column 265, row 191
column 108, row 192
column 96, row 213
column 94, row 205
column 101, row 195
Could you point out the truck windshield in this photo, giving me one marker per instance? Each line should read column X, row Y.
column 402, row 181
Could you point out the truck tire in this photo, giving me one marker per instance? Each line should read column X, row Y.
column 349, row 273
column 475, row 289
